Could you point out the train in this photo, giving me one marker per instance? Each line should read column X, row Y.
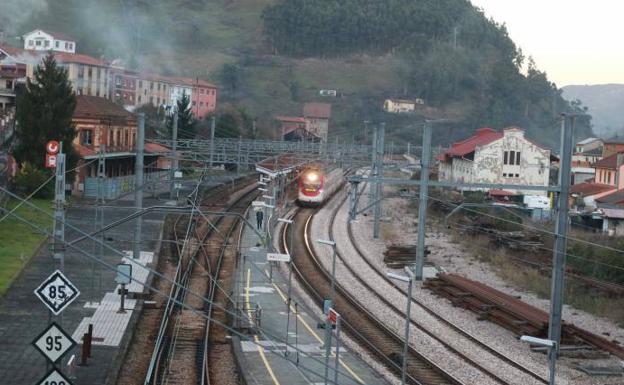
column 316, row 184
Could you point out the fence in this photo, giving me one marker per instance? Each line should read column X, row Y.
column 116, row 186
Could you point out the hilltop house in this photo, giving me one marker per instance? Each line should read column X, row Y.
column 491, row 156
column 40, row 40
column 586, row 152
column 398, row 106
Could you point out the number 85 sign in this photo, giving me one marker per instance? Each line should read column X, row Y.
column 56, row 292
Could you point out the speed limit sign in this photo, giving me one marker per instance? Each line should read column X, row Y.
column 53, row 342
column 57, row 292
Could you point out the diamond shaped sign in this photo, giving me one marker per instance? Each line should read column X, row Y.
column 56, row 292
column 54, row 342
column 54, row 377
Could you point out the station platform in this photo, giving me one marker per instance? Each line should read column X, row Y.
column 262, row 354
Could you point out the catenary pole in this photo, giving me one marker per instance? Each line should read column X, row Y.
column 379, row 158
column 138, row 182
column 213, row 123
column 174, row 150
column 422, row 202
column 561, row 231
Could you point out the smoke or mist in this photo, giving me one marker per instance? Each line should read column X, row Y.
column 15, row 13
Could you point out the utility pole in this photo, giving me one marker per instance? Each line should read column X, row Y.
column 138, row 185
column 365, row 132
column 212, row 136
column 422, row 202
column 174, row 149
column 379, row 159
column 238, row 158
column 99, row 209
column 561, row 232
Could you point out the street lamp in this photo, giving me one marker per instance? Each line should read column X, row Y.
column 410, row 280
column 288, row 222
column 331, row 300
column 552, row 353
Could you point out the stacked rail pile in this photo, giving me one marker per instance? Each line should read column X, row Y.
column 510, row 312
column 398, row 256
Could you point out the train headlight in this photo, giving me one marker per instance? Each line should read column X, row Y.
column 312, row 177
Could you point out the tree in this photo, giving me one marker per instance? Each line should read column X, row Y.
column 187, row 124
column 44, row 112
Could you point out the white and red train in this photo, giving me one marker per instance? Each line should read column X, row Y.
column 315, row 185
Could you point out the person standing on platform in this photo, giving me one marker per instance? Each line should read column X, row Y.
column 259, row 218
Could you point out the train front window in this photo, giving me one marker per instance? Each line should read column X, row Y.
column 311, row 181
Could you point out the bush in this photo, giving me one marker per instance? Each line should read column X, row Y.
column 29, row 179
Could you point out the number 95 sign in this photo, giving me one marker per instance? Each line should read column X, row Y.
column 56, row 292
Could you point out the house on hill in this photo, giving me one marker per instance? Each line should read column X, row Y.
column 491, row 156
column 40, row 40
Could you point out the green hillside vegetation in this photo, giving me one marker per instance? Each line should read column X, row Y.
column 270, row 57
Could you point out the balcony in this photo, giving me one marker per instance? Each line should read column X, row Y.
column 7, row 92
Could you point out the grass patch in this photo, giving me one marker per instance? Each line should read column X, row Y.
column 18, row 241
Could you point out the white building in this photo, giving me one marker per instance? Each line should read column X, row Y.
column 491, row 156
column 399, row 106
column 41, row 40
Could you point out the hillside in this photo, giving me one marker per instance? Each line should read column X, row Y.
column 605, row 102
column 271, row 56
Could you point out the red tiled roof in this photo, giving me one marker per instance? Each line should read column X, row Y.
column 193, row 82
column 609, row 162
column 56, row 35
column 64, row 57
column 615, row 198
column 96, row 107
column 588, row 189
column 317, row 110
column 465, row 147
column 294, row 119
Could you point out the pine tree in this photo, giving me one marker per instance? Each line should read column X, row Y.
column 44, row 113
column 187, row 124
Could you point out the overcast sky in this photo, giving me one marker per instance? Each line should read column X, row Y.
column 574, row 41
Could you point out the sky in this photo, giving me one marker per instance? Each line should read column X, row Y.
column 574, row 41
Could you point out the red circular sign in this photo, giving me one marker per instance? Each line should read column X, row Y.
column 52, row 147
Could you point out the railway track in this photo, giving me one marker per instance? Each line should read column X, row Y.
column 368, row 329
column 185, row 350
column 359, row 322
column 482, row 346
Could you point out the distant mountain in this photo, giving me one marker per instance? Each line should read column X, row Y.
column 606, row 105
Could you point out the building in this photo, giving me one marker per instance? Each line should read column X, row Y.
column 608, row 179
column 399, row 106
column 103, row 126
column 612, row 146
column 317, row 116
column 124, row 86
column 491, row 156
column 293, row 128
column 40, row 40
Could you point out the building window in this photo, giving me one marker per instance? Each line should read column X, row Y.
column 66, row 45
column 30, row 43
column 80, row 72
column 47, row 43
column 194, row 102
column 158, row 87
column 202, row 91
column 505, row 159
column 517, row 175
column 71, row 46
column 151, row 99
column 140, row 83
column 90, row 72
column 86, row 137
column 164, row 87
column 157, row 101
column 201, row 104
column 518, row 158
column 139, row 99
column 151, row 86
column 57, row 44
